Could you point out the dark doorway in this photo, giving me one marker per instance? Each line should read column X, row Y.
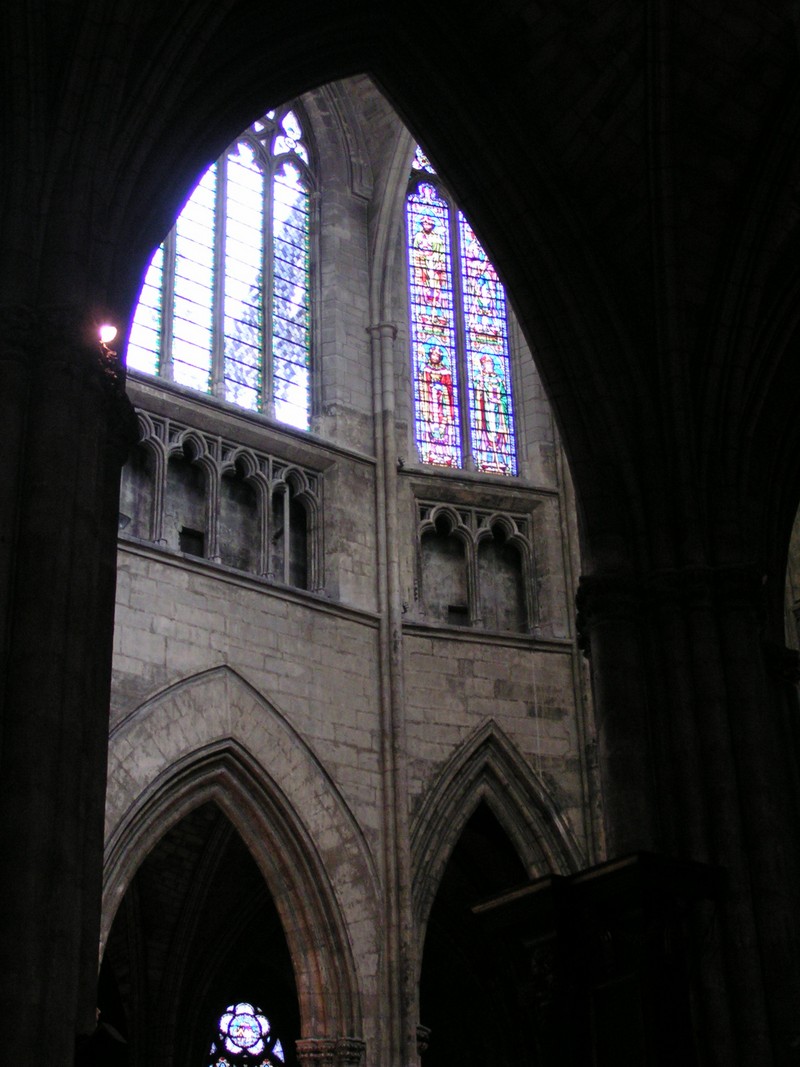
column 468, row 995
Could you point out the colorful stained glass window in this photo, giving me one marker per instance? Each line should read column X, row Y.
column 226, row 303
column 459, row 337
column 245, row 1038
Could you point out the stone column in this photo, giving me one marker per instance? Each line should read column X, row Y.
column 696, row 763
column 66, row 426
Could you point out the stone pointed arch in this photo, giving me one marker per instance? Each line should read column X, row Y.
column 213, row 737
column 487, row 767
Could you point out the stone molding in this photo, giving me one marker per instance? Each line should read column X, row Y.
column 488, row 766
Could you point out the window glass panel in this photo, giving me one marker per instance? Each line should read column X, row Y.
column 244, row 255
column 289, row 139
column 491, row 415
column 217, row 327
column 144, row 342
column 244, row 1036
column 291, row 321
column 421, row 161
column 194, row 286
column 433, row 338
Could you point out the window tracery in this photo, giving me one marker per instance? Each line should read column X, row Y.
column 476, row 567
column 225, row 307
column 245, row 1037
column 463, row 398
column 210, row 497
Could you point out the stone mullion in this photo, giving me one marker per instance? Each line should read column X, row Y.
column 529, row 584
column 473, row 584
column 287, row 535
column 314, row 534
column 213, row 478
column 264, row 522
column 56, row 670
column 159, row 493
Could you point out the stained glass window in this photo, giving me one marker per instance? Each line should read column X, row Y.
column 245, row 1038
column 226, row 303
column 463, row 402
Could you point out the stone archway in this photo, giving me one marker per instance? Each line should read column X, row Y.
column 213, row 738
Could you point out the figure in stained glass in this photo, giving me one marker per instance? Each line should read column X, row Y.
column 430, row 263
column 483, row 310
column 438, row 425
column 459, row 336
column 491, row 419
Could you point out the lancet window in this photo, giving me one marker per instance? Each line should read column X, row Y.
column 463, row 397
column 226, row 303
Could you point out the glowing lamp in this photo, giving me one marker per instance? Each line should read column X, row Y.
column 107, row 333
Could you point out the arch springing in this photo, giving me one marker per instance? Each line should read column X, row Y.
column 463, row 402
column 226, row 303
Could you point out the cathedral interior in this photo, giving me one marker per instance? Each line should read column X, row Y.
column 399, row 551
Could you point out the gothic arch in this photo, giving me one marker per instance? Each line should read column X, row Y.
column 487, row 767
column 212, row 737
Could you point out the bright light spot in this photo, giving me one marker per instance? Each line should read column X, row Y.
column 108, row 333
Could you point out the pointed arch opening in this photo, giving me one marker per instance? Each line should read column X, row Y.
column 196, row 931
column 222, row 773
column 468, row 994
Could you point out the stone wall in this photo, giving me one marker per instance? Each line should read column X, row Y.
column 352, row 704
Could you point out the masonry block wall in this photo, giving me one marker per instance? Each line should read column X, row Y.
column 363, row 733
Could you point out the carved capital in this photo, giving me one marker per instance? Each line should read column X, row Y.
column 330, row 1052
column 316, row 1051
column 349, row 1051
column 604, row 598
column 423, row 1038
column 383, row 329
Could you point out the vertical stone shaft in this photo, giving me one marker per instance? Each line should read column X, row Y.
column 67, row 424
column 693, row 766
